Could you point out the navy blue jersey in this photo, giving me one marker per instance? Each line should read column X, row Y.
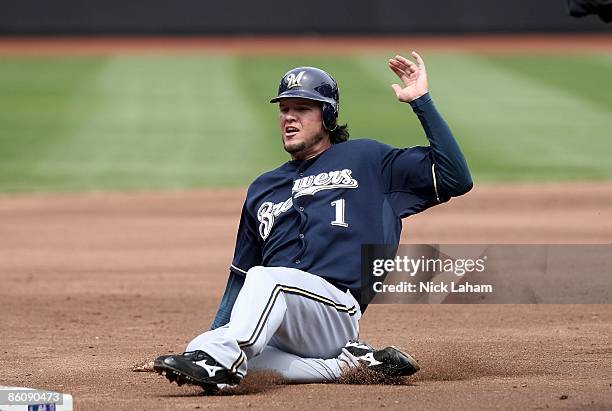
column 315, row 214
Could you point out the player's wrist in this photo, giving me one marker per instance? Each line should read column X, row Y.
column 420, row 100
column 418, row 96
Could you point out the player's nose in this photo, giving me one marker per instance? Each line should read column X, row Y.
column 289, row 115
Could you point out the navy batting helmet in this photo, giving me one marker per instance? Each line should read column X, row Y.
column 313, row 84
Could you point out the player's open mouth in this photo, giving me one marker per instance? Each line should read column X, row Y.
column 291, row 131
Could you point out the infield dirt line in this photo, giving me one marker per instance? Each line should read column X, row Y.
column 283, row 45
column 93, row 283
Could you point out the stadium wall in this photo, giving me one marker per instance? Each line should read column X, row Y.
column 291, row 17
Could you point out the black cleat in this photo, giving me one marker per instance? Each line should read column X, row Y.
column 195, row 368
column 389, row 361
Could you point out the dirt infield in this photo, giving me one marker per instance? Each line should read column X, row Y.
column 94, row 283
column 304, row 45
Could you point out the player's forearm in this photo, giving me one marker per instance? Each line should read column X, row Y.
column 452, row 172
column 232, row 289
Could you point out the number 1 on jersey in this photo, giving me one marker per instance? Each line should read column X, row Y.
column 339, row 205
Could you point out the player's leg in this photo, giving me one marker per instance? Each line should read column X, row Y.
column 305, row 315
column 295, row 369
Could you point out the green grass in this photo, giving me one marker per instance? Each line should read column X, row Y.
column 166, row 122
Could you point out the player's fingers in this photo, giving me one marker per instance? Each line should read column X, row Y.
column 403, row 59
column 403, row 72
column 398, row 71
column 397, row 89
column 396, row 68
column 419, row 60
column 408, row 70
column 401, row 66
column 398, row 65
column 406, row 62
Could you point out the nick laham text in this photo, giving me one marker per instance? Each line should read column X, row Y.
column 430, row 287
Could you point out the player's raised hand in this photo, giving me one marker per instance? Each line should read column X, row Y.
column 413, row 76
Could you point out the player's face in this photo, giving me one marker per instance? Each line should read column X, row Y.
column 302, row 128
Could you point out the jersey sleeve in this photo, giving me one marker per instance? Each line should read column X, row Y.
column 409, row 179
column 452, row 175
column 248, row 252
column 232, row 289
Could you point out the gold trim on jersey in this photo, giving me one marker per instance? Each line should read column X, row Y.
column 433, row 172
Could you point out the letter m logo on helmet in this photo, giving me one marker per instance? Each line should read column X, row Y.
column 295, row 81
column 313, row 84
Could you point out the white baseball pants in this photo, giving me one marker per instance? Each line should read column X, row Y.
column 289, row 321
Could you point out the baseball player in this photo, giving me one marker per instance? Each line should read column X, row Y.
column 292, row 301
